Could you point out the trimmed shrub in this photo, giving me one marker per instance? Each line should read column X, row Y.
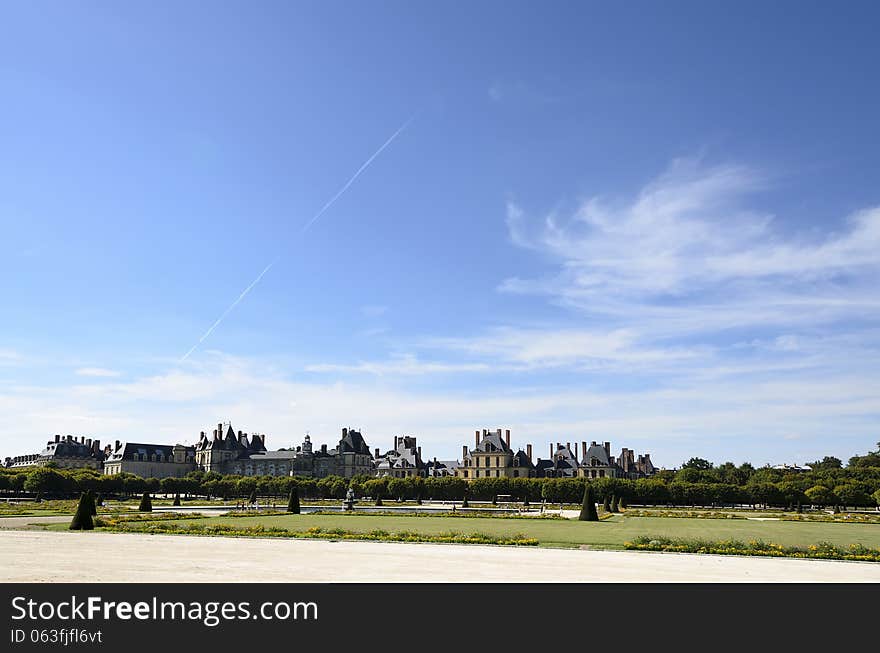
column 82, row 518
column 176, row 501
column 293, row 501
column 146, row 504
column 588, row 507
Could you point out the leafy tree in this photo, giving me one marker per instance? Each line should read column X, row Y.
column 697, row 463
column 253, row 498
column 852, row 494
column 397, row 488
column 614, row 503
column 821, row 496
column 82, row 518
column 827, row 463
column 46, row 480
column 146, row 504
column 588, row 505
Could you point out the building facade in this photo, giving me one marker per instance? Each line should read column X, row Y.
column 231, row 452
column 150, row 460
column 492, row 457
column 403, row 461
column 63, row 452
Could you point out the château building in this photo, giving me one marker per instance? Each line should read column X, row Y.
column 63, row 452
column 403, row 461
column 150, row 460
column 492, row 457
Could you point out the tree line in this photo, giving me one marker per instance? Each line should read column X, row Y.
column 697, row 483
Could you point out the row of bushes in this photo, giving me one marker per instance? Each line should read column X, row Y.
column 823, row 550
column 788, row 493
column 172, row 527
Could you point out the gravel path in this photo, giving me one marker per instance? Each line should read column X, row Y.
column 43, row 556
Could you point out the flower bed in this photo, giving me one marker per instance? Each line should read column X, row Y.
column 821, row 551
column 164, row 526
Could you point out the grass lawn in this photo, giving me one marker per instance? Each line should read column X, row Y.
column 611, row 533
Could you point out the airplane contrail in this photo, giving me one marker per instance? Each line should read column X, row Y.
column 314, row 219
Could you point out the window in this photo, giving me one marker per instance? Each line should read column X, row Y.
column 497, row 461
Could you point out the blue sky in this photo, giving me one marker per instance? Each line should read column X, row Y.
column 650, row 223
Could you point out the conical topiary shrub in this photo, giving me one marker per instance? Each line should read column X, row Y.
column 146, row 504
column 293, row 501
column 614, row 503
column 82, row 518
column 176, row 501
column 93, row 508
column 495, row 500
column 378, row 497
column 464, row 501
column 588, row 507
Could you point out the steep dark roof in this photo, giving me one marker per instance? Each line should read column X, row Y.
column 492, row 442
column 596, row 452
column 521, row 459
column 127, row 451
column 353, row 442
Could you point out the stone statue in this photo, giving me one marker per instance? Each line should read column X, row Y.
column 349, row 502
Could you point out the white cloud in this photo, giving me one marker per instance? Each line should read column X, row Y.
column 96, row 371
column 686, row 237
column 553, row 347
column 748, row 421
column 404, row 364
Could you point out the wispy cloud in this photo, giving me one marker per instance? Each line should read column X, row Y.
column 404, row 364
column 96, row 371
column 744, row 421
column 686, row 246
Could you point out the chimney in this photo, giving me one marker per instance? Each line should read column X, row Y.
column 57, row 438
column 96, row 446
column 377, row 452
column 323, row 448
column 583, row 450
column 608, row 448
column 89, row 443
column 116, row 448
column 529, row 451
column 419, row 450
column 476, row 438
column 344, row 432
column 551, row 449
column 507, row 437
column 220, row 429
column 463, row 452
column 568, row 445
